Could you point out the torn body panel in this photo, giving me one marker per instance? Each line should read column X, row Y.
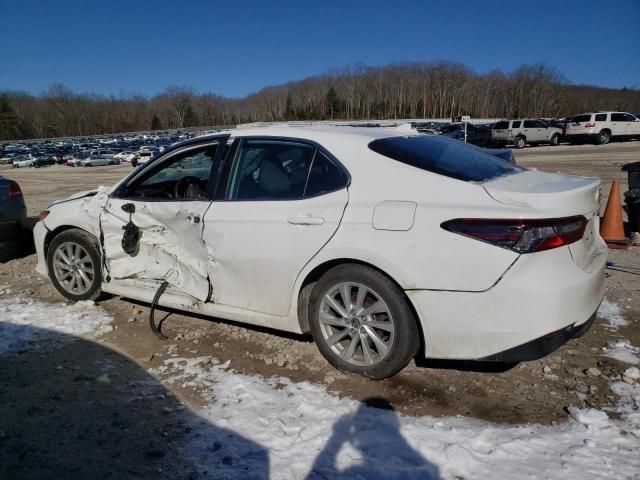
column 170, row 248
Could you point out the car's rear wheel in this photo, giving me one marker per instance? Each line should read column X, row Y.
column 519, row 142
column 362, row 323
column 603, row 137
column 73, row 259
column 555, row 140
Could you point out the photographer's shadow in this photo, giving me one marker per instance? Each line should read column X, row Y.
column 382, row 452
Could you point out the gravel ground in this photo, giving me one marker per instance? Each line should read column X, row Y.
column 577, row 374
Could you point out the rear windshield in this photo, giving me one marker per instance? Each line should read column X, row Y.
column 444, row 156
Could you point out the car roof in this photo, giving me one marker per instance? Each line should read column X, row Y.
column 326, row 135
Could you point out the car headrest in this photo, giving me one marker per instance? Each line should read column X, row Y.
column 273, row 179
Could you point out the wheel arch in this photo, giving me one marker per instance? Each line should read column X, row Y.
column 304, row 292
column 51, row 234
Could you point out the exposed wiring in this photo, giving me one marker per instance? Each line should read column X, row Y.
column 631, row 272
column 152, row 323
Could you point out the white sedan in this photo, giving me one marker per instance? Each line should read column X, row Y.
column 99, row 161
column 383, row 244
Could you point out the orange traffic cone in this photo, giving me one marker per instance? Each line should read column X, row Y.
column 612, row 226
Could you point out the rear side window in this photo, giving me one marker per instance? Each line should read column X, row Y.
column 529, row 124
column 516, row 124
column 324, row 177
column 444, row 156
column 601, row 117
column 271, row 170
column 581, row 118
column 501, row 126
column 617, row 117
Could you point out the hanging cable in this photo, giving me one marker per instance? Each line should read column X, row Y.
column 152, row 323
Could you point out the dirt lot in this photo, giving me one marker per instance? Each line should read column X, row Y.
column 531, row 392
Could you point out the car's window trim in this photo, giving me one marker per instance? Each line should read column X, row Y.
column 233, row 157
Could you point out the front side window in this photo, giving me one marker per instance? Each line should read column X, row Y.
column 185, row 176
column 629, row 118
column 539, row 124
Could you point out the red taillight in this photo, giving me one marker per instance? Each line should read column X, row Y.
column 589, row 125
column 14, row 190
column 521, row 235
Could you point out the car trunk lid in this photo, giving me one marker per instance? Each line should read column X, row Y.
column 552, row 195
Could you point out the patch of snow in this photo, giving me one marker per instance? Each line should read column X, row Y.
column 623, row 351
column 23, row 320
column 612, row 313
column 309, row 432
column 588, row 416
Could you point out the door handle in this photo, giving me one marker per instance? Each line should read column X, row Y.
column 305, row 220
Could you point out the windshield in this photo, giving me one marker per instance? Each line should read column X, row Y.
column 444, row 156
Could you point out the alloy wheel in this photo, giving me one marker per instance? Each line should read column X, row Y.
column 73, row 268
column 356, row 324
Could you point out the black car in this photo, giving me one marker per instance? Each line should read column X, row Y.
column 12, row 213
column 44, row 161
column 475, row 135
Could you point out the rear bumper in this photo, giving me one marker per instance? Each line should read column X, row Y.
column 543, row 346
column 541, row 297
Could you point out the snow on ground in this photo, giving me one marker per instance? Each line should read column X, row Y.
column 23, row 320
column 620, row 350
column 256, row 427
column 308, row 431
column 612, row 313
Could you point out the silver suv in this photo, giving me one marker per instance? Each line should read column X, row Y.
column 602, row 127
column 521, row 131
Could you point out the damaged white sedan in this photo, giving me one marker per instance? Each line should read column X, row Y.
column 383, row 244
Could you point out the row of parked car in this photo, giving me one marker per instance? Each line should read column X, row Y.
column 597, row 127
column 89, row 151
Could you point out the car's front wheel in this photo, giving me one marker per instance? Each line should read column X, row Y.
column 73, row 259
column 555, row 140
column 362, row 323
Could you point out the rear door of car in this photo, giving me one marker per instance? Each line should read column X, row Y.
column 618, row 124
column 632, row 125
column 281, row 201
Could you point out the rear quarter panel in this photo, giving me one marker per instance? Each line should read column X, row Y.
column 425, row 256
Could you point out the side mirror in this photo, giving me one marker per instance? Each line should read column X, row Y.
column 129, row 208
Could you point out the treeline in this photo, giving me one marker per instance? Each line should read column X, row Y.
column 397, row 91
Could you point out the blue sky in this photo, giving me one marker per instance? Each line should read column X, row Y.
column 234, row 48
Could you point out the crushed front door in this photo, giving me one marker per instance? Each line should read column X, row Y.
column 151, row 228
column 170, row 247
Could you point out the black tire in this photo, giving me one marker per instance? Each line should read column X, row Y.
column 403, row 343
column 555, row 140
column 603, row 137
column 519, row 142
column 90, row 245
